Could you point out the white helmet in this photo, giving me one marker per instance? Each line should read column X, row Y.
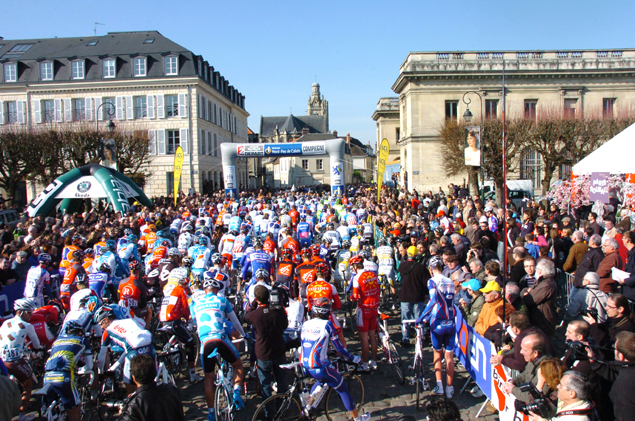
column 25, row 304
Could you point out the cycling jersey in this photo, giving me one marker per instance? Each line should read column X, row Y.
column 269, row 246
column 60, row 369
column 234, row 223
column 159, row 276
column 294, row 214
column 36, row 279
column 344, row 232
column 368, row 231
column 241, row 243
column 226, row 245
column 316, row 336
column 285, row 274
column 440, row 312
column 305, row 274
column 128, row 252
column 385, row 259
column 69, row 286
column 40, row 321
column 79, row 296
column 201, row 255
column 174, row 305
column 128, row 335
column 322, row 289
column 371, row 266
column 343, row 272
column 185, row 240
column 97, row 281
column 67, row 256
column 335, row 237
column 223, row 278
column 273, row 228
column 257, row 260
column 305, row 234
column 211, row 312
column 366, row 290
column 13, row 336
column 133, row 295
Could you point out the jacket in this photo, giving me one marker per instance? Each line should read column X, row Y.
column 628, row 288
column 541, row 303
column 11, row 398
column 475, row 308
column 152, row 402
column 589, row 263
column 576, row 252
column 576, row 411
column 529, row 374
column 515, row 359
column 413, row 282
column 588, row 297
column 604, row 333
column 269, row 325
column 487, row 317
column 622, row 394
column 611, row 260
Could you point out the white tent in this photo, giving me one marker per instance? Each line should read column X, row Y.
column 615, row 156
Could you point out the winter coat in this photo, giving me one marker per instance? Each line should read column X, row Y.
column 611, row 260
column 152, row 402
column 589, row 263
column 541, row 303
column 588, row 297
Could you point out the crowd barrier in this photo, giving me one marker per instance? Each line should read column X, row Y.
column 9, row 294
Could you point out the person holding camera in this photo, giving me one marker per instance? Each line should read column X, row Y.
column 533, row 349
column 619, row 319
column 574, row 404
column 589, row 300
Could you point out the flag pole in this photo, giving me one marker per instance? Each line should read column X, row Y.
column 504, row 202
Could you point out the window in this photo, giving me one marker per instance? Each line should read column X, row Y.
column 46, row 70
column 92, row 43
column 12, row 112
column 148, row 41
column 397, row 133
column 608, row 107
column 10, row 72
column 491, row 108
column 451, row 110
column 139, row 66
column 530, row 167
column 171, row 65
column 109, row 68
column 17, row 50
column 171, row 105
column 140, row 106
column 530, row 108
column 48, row 111
column 77, row 69
column 174, row 140
column 319, row 164
column 79, row 109
column 305, row 164
column 570, row 104
column 109, row 108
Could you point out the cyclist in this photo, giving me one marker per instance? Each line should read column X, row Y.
column 226, row 246
column 89, row 258
column 100, row 279
column 186, row 239
column 319, row 289
column 440, row 313
column 69, row 286
column 158, row 277
column 305, row 233
column 83, row 291
column 60, row 368
column 129, row 250
column 174, row 308
column 149, row 238
column 67, row 253
column 125, row 333
column 38, row 279
column 334, row 236
column 133, row 294
column 13, row 336
column 316, row 335
column 285, row 271
column 211, row 312
column 304, row 274
column 342, row 274
column 366, row 293
column 200, row 253
column 107, row 255
column 217, row 273
column 259, row 259
column 241, row 244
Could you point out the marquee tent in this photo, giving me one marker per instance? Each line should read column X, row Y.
column 91, row 181
column 615, row 156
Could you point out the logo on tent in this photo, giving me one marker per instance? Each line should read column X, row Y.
column 83, row 187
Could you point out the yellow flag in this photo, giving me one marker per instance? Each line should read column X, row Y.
column 178, row 167
column 384, row 149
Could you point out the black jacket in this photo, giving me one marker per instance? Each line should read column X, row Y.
column 152, row 402
column 604, row 334
column 269, row 325
column 629, row 283
column 622, row 394
column 589, row 263
column 413, row 282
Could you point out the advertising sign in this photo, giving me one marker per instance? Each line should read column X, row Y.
column 251, row 150
column 178, row 168
column 599, row 188
column 287, row 149
column 473, row 146
column 231, row 189
column 313, row 148
column 474, row 352
column 382, row 157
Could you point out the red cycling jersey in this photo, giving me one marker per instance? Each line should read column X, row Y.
column 174, row 305
column 322, row 289
column 366, row 290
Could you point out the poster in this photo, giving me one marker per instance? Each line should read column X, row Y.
column 384, row 150
column 599, row 188
column 472, row 146
column 178, row 168
column 108, row 155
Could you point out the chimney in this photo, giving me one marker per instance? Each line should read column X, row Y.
column 348, row 138
column 335, row 133
column 305, row 130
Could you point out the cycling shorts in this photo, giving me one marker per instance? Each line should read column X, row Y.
column 226, row 350
column 20, row 369
column 63, row 385
column 442, row 335
column 148, row 349
column 329, row 375
column 304, row 242
column 366, row 319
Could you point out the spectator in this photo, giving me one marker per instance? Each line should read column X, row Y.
column 495, row 333
column 611, row 260
column 513, row 232
column 549, row 375
column 492, row 272
column 518, row 269
column 589, row 263
column 150, row 402
column 459, row 248
column 619, row 319
column 452, row 262
column 576, row 252
column 577, row 331
column 532, row 246
column 493, row 299
column 440, row 408
column 529, row 265
column 588, row 297
column 7, row 275
column 528, row 223
column 471, row 310
column 593, row 224
column 541, row 298
column 412, row 294
column 21, row 265
column 512, row 296
column 625, row 222
column 533, row 349
column 476, row 267
column 269, row 325
column 10, row 396
column 574, row 404
column 622, row 392
column 609, row 228
column 628, row 283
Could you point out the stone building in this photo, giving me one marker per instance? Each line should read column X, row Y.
column 142, row 81
column 431, row 88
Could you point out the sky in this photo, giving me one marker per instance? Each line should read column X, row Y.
column 272, row 52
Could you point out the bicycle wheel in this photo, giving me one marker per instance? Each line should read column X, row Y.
column 223, row 405
column 418, row 375
column 396, row 363
column 282, row 407
column 334, row 408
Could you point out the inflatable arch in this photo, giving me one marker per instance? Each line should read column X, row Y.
column 88, row 182
column 334, row 148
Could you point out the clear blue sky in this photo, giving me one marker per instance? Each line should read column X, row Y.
column 272, row 51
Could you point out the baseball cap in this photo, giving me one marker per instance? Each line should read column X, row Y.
column 491, row 286
column 488, row 209
column 483, row 219
column 412, row 251
column 473, row 284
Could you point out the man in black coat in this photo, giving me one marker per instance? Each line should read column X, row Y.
column 590, row 261
column 628, row 283
column 414, row 290
column 622, row 392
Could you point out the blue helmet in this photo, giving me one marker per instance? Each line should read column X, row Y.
column 111, row 245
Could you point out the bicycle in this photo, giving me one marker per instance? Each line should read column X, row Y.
column 386, row 296
column 50, row 406
column 418, row 377
column 388, row 346
column 224, row 404
column 298, row 404
column 112, row 393
column 173, row 351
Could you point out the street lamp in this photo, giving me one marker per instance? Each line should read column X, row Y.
column 110, row 111
column 467, row 116
column 110, row 126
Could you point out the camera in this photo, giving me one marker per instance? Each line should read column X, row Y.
column 278, row 298
column 593, row 312
column 578, row 350
column 540, row 404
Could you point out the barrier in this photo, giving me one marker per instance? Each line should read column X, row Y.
column 9, row 294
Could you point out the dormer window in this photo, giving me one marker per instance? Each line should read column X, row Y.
column 46, row 70
column 10, row 72
column 77, row 69
column 171, row 66
column 139, row 66
column 109, row 68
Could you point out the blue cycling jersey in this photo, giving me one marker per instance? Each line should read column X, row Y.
column 97, row 281
column 257, row 260
column 441, row 305
column 316, row 336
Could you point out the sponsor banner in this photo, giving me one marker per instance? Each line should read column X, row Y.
column 283, row 149
column 251, row 150
column 382, row 157
column 599, row 188
column 229, row 172
column 314, row 148
column 83, row 188
column 178, row 168
column 337, row 173
column 337, row 190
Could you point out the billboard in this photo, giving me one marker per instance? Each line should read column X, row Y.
column 472, row 146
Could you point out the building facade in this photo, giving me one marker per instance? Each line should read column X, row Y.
column 431, row 88
column 141, row 81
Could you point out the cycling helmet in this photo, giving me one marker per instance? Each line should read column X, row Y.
column 104, row 312
column 44, row 258
column 435, row 260
column 233, row 232
column 275, row 218
column 91, row 303
column 77, row 239
column 344, row 223
column 356, row 260
column 321, row 308
column 89, row 252
column 127, row 232
column 25, row 304
column 111, row 245
column 258, row 244
column 288, row 253
column 173, row 252
column 188, row 228
column 305, row 252
column 438, row 231
column 81, row 279
column 330, row 226
column 327, row 240
column 302, row 218
column 104, row 267
column 152, row 227
column 74, row 328
column 209, row 280
column 315, row 249
column 202, row 241
column 187, row 262
column 346, row 244
column 78, row 255
column 134, row 265
column 366, row 254
column 217, row 258
column 165, row 243
column 381, row 242
column 179, row 274
column 262, row 273
column 102, row 251
column 322, row 268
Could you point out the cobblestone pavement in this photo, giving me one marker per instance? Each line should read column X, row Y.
column 384, row 399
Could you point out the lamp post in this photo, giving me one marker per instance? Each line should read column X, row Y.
column 467, row 116
column 110, row 111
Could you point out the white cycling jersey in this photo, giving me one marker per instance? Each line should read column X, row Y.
column 13, row 336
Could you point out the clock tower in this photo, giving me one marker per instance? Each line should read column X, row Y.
column 318, row 105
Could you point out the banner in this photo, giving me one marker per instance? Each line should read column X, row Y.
column 473, row 146
column 178, row 167
column 384, row 149
column 599, row 188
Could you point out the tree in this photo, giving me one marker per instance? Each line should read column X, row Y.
column 21, row 158
column 133, row 153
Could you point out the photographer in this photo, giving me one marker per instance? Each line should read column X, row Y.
column 622, row 391
column 619, row 320
column 533, row 349
column 573, row 399
column 589, row 300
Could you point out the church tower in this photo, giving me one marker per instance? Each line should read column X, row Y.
column 318, row 105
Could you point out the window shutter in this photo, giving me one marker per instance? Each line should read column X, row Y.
column 209, row 111
column 21, row 106
column 209, row 143
column 185, row 141
column 150, row 106
column 68, row 114
column 201, row 143
column 119, row 105
column 129, row 108
column 99, row 112
column 1, row 112
column 161, row 141
column 183, row 106
column 152, row 134
column 88, row 109
column 36, row 111
column 200, row 106
column 160, row 106
column 58, row 110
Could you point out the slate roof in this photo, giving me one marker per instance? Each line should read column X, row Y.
column 292, row 124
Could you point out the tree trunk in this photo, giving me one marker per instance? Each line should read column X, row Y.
column 546, row 182
column 500, row 193
column 473, row 181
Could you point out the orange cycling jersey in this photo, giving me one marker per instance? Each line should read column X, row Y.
column 366, row 290
column 174, row 305
column 129, row 294
column 88, row 263
column 269, row 246
column 158, row 254
column 67, row 255
column 322, row 289
column 69, row 287
column 291, row 244
column 149, row 240
column 294, row 216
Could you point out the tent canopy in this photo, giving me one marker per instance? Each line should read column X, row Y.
column 615, row 156
column 91, row 181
